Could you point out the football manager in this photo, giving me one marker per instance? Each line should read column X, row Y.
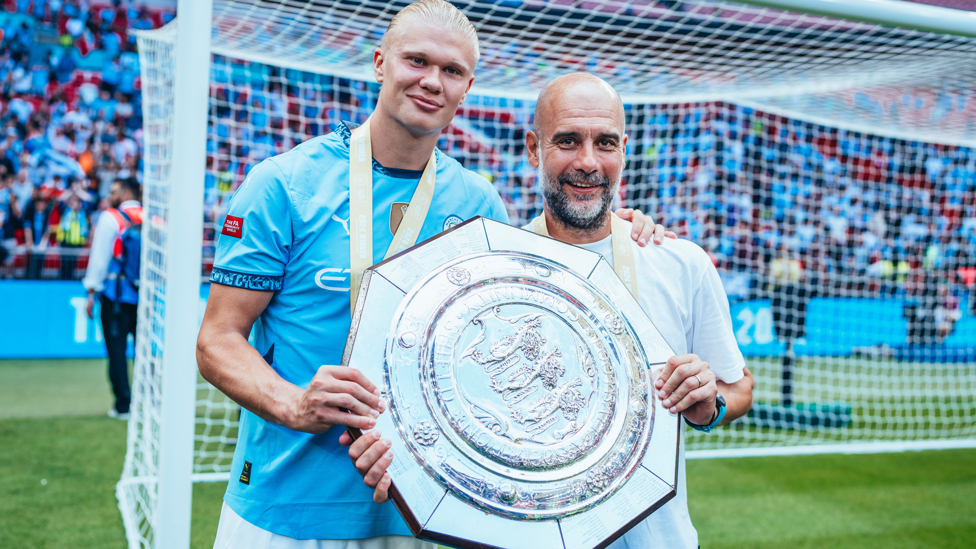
column 299, row 232
column 578, row 146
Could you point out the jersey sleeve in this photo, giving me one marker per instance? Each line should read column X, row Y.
column 255, row 242
column 714, row 339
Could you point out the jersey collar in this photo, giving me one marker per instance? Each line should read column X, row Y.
column 344, row 131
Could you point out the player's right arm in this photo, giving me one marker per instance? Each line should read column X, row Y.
column 232, row 365
column 252, row 253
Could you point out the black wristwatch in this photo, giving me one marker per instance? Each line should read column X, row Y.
column 717, row 418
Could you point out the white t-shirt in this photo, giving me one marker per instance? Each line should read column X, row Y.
column 680, row 290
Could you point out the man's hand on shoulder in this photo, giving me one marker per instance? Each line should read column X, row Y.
column 644, row 226
column 372, row 456
column 687, row 385
column 337, row 395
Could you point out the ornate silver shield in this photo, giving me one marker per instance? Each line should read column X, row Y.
column 518, row 372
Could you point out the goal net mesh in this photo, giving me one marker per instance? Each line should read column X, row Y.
column 137, row 490
column 826, row 165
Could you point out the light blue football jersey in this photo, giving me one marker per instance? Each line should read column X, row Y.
column 287, row 231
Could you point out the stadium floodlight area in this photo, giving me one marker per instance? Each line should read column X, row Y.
column 824, row 160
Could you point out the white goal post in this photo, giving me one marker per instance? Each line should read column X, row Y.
column 826, row 160
column 155, row 492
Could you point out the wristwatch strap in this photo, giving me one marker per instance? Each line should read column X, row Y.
column 720, row 409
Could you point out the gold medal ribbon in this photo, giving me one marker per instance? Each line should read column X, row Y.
column 361, row 209
column 623, row 251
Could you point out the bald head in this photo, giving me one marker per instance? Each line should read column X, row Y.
column 578, row 145
column 575, row 90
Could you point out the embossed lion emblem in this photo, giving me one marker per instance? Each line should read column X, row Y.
column 526, row 337
column 548, row 368
column 566, row 398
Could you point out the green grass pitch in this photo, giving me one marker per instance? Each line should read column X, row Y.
column 60, row 458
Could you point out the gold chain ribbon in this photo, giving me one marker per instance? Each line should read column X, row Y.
column 361, row 209
column 623, row 251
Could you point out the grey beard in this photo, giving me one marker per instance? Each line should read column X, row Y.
column 572, row 215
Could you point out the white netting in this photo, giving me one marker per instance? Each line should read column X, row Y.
column 750, row 129
column 137, row 490
column 652, row 52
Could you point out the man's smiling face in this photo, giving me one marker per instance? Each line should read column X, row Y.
column 579, row 150
column 425, row 73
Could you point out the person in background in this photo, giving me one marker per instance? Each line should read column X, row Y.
column 37, row 229
column 71, row 233
column 118, row 298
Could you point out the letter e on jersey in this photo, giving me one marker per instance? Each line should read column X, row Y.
column 233, row 226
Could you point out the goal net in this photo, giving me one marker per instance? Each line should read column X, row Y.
column 137, row 491
column 826, row 165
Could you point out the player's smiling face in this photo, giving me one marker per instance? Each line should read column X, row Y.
column 580, row 153
column 425, row 75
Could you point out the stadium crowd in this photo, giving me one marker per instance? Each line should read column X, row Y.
column 72, row 123
column 845, row 211
column 752, row 187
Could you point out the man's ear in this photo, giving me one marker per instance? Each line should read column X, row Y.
column 623, row 162
column 532, row 148
column 378, row 64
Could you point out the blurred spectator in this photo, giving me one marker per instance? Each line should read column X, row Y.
column 71, row 233
column 109, row 276
column 37, row 228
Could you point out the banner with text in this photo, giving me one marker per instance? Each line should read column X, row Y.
column 47, row 319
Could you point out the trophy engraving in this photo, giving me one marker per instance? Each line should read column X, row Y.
column 458, row 276
column 425, row 433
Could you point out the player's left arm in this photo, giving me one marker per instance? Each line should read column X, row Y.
column 644, row 226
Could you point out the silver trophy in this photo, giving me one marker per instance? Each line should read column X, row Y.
column 518, row 370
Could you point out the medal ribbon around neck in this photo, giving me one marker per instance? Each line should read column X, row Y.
column 361, row 209
column 623, row 251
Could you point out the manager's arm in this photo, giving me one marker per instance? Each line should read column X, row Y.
column 231, row 364
column 687, row 385
column 738, row 396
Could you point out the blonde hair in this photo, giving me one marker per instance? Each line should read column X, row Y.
column 436, row 12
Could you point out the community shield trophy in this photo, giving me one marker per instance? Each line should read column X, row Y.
column 518, row 370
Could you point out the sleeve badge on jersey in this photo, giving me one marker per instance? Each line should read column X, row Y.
column 233, row 226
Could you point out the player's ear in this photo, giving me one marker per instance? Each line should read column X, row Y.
column 532, row 148
column 378, row 64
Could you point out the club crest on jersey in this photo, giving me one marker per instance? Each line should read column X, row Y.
column 397, row 211
column 451, row 222
column 233, row 226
